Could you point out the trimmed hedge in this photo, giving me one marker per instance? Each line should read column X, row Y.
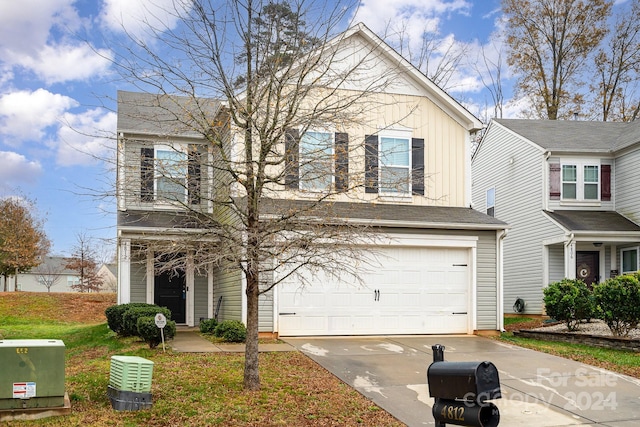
column 231, row 331
column 115, row 313
column 618, row 303
column 150, row 333
column 208, row 326
column 569, row 301
column 130, row 317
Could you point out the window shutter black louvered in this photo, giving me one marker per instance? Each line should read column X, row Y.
column 371, row 164
column 292, row 155
column 417, row 166
column 146, row 174
column 342, row 161
column 194, row 176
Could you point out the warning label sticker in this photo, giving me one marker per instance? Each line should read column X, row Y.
column 24, row 390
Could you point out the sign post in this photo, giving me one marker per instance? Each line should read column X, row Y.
column 161, row 322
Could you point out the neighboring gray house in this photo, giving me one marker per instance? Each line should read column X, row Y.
column 570, row 192
column 442, row 260
column 50, row 276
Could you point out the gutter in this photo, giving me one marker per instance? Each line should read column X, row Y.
column 500, row 236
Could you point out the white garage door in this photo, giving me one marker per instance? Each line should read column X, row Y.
column 417, row 291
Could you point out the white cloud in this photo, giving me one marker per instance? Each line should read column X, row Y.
column 17, row 169
column 136, row 17
column 25, row 115
column 86, row 138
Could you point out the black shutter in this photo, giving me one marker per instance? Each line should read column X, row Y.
column 292, row 155
column 342, row 161
column 417, row 166
column 194, row 176
column 146, row 174
column 371, row 164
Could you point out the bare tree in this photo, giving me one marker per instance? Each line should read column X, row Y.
column 616, row 68
column 549, row 43
column 490, row 74
column 83, row 262
column 290, row 89
column 49, row 274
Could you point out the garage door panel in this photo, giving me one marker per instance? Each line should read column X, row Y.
column 417, row 291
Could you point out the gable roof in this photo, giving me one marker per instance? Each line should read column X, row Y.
column 575, row 135
column 437, row 95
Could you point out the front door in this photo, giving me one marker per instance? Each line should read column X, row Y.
column 588, row 267
column 170, row 290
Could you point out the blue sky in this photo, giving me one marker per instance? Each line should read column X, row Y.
column 57, row 91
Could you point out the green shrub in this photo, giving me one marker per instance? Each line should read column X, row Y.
column 151, row 334
column 569, row 301
column 115, row 312
column 208, row 326
column 618, row 303
column 131, row 315
column 231, row 331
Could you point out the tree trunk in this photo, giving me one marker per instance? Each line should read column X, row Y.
column 251, row 373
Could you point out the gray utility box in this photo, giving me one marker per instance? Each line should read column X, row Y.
column 32, row 374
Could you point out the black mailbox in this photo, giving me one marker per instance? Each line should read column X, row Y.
column 470, row 381
column 461, row 391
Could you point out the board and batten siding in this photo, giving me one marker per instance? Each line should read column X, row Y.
column 515, row 169
column 626, row 192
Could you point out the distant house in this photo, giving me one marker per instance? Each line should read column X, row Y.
column 50, row 276
column 442, row 260
column 109, row 275
column 570, row 191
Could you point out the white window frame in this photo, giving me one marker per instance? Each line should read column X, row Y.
column 580, row 182
column 305, row 185
column 622, row 251
column 173, row 148
column 395, row 134
column 489, row 205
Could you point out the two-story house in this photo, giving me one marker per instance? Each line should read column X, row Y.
column 441, row 260
column 569, row 190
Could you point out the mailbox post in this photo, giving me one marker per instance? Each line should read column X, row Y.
column 461, row 391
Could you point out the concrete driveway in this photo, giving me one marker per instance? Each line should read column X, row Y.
column 537, row 389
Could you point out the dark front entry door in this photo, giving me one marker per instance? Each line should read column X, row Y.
column 588, row 267
column 171, row 292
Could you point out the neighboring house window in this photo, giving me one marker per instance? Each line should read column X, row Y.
column 170, row 174
column 629, row 260
column 73, row 281
column 316, row 161
column 491, row 201
column 580, row 181
column 394, row 163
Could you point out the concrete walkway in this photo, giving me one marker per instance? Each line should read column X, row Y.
column 190, row 341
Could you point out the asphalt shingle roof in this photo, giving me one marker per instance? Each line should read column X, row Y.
column 575, row 135
column 593, row 221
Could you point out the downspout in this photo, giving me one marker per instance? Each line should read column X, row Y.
column 545, row 192
column 499, row 282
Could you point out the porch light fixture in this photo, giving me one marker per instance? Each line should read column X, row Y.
column 597, row 244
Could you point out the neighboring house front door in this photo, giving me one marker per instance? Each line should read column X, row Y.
column 587, row 267
column 171, row 292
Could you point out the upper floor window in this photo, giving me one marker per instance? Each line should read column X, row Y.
column 491, row 201
column 580, row 181
column 316, row 161
column 394, row 163
column 170, row 174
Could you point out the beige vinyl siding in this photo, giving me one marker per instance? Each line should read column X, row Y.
column 228, row 285
column 200, row 303
column 138, row 279
column 516, row 170
column 627, row 192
